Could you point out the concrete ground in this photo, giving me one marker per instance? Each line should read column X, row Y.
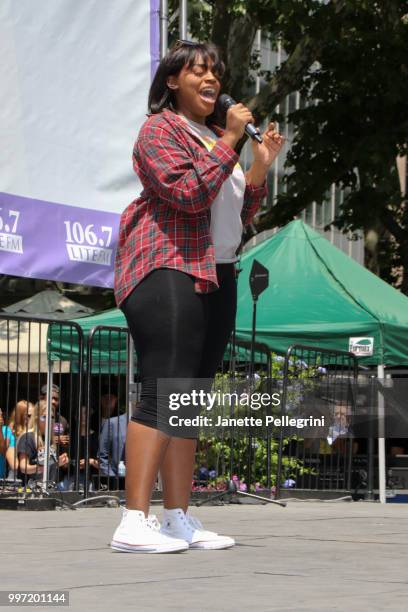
column 308, row 556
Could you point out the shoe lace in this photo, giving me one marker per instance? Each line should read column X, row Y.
column 194, row 522
column 153, row 522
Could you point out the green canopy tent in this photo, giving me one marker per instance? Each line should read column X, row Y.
column 319, row 296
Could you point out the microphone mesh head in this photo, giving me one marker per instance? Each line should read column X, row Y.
column 225, row 101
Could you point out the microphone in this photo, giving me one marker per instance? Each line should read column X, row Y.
column 225, row 102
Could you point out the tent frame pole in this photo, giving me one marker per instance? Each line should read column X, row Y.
column 183, row 19
column 164, row 27
column 381, row 441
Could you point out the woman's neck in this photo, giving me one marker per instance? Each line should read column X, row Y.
column 190, row 116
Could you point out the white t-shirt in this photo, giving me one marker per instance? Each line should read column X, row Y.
column 226, row 224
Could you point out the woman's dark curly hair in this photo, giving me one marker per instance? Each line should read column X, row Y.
column 182, row 53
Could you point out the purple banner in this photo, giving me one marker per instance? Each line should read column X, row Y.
column 154, row 36
column 71, row 132
column 57, row 242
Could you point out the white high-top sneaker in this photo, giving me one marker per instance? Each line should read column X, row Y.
column 179, row 525
column 138, row 534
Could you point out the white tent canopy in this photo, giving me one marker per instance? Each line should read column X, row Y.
column 23, row 344
column 49, row 304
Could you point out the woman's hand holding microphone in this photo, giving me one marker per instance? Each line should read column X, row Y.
column 237, row 117
column 264, row 153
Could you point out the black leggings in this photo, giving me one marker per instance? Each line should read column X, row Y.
column 177, row 332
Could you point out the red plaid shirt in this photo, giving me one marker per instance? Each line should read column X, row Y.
column 168, row 226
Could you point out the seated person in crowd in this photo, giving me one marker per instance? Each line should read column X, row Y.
column 61, row 425
column 339, row 432
column 112, row 449
column 19, row 417
column 340, row 427
column 92, row 443
column 69, row 481
column 8, row 458
column 31, row 449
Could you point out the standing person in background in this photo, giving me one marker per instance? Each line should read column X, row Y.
column 112, row 450
column 175, row 275
column 109, row 404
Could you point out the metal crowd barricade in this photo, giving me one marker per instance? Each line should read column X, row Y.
column 323, row 382
column 109, row 378
column 382, row 416
column 95, row 384
column 40, row 393
column 232, row 453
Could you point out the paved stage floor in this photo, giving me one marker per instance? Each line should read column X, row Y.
column 308, row 556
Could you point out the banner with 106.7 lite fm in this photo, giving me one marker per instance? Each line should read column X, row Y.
column 75, row 76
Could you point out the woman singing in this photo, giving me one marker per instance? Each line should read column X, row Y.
column 175, row 276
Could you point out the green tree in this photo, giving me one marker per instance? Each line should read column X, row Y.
column 347, row 58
